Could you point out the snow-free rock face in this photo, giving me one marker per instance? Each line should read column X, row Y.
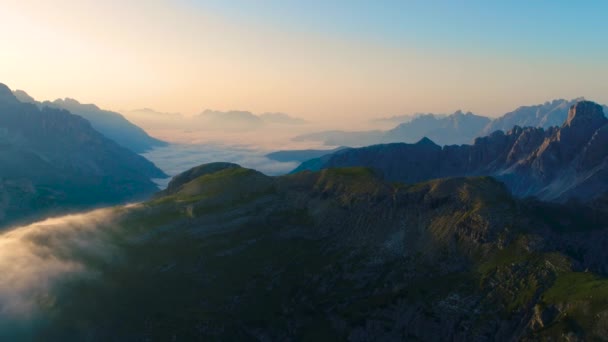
column 553, row 164
column 550, row 114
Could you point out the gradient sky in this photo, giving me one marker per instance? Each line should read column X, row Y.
column 314, row 59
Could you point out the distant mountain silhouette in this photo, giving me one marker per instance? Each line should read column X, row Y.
column 52, row 160
column 457, row 128
column 243, row 120
column 152, row 119
column 550, row 114
column 554, row 164
column 112, row 125
column 396, row 119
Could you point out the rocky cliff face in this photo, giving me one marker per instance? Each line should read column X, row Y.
column 550, row 114
column 54, row 160
column 554, row 164
column 340, row 254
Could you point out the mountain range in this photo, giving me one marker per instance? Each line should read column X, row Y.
column 54, row 161
column 454, row 129
column 550, row 114
column 244, row 120
column 555, row 164
column 500, row 240
column 113, row 125
column 227, row 253
column 457, row 128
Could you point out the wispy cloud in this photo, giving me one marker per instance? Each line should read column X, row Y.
column 36, row 258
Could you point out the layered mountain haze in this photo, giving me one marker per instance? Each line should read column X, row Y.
column 395, row 120
column 113, row 125
column 228, row 253
column 554, row 164
column 457, row 128
column 243, row 120
column 454, row 129
column 54, row 161
column 303, row 171
column 550, row 114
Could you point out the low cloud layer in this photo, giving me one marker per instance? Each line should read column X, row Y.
column 35, row 259
column 177, row 158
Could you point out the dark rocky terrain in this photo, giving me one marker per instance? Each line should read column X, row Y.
column 227, row 253
column 52, row 161
column 111, row 124
column 555, row 164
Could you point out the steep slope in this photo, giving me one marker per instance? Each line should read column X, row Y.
column 110, row 124
column 230, row 254
column 53, row 160
column 553, row 164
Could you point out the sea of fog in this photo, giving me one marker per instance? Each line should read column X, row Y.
column 176, row 158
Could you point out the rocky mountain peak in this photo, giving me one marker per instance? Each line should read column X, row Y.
column 587, row 114
column 426, row 141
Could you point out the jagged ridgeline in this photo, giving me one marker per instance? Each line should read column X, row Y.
column 227, row 253
column 52, row 161
column 554, row 164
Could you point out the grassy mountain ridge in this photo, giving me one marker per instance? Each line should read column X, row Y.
column 232, row 254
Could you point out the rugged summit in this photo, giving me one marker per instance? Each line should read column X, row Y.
column 549, row 114
column 53, row 160
column 554, row 164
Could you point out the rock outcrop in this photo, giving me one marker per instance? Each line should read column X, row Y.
column 555, row 164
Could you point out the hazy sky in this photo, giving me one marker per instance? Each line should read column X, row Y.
column 315, row 59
